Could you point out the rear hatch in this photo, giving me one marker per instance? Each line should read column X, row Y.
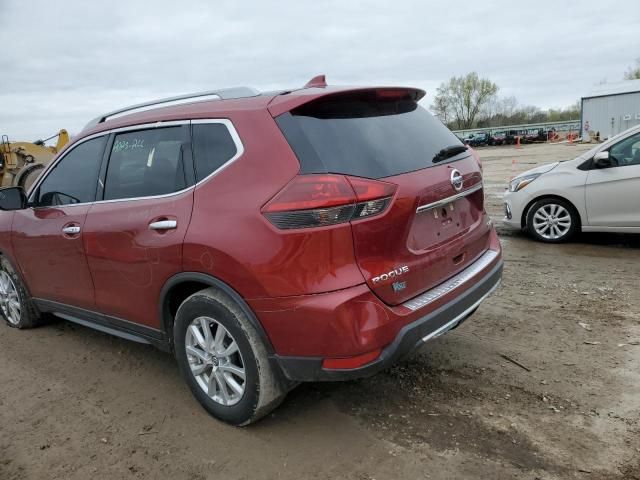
column 434, row 226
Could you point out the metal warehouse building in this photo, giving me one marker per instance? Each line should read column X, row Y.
column 611, row 108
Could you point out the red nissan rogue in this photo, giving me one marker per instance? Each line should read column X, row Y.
column 265, row 239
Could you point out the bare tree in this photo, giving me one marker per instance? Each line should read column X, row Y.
column 464, row 97
column 633, row 73
column 490, row 109
column 508, row 106
column 442, row 107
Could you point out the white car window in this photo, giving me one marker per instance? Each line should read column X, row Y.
column 626, row 152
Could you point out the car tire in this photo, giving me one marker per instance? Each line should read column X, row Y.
column 235, row 384
column 552, row 220
column 16, row 306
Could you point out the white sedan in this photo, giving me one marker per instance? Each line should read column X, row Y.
column 599, row 191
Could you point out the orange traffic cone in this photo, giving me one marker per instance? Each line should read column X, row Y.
column 518, row 142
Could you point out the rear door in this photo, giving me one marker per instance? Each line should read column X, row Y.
column 613, row 194
column 435, row 225
column 133, row 235
column 48, row 236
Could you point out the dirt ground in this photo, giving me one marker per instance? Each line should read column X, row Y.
column 78, row 404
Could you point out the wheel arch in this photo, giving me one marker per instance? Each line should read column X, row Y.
column 16, row 267
column 182, row 285
column 525, row 211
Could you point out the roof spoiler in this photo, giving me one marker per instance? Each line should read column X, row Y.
column 285, row 103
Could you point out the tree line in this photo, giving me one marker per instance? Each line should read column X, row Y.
column 473, row 102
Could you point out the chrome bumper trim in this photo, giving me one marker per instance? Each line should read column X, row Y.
column 452, row 198
column 454, row 282
column 448, row 326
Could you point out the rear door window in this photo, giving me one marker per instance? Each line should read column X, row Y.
column 146, row 163
column 363, row 135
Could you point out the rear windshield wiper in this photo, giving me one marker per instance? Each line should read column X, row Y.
column 449, row 152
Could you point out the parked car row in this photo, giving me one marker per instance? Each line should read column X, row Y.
column 509, row 137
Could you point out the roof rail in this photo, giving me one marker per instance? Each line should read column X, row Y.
column 223, row 94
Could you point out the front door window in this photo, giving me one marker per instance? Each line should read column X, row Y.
column 74, row 179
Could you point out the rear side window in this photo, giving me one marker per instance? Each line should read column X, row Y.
column 74, row 179
column 146, row 163
column 363, row 135
column 212, row 146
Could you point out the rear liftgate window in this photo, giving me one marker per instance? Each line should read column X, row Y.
column 366, row 134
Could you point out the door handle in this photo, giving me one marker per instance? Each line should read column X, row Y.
column 71, row 230
column 163, row 225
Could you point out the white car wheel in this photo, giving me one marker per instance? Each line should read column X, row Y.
column 552, row 220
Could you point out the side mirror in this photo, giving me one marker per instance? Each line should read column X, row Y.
column 602, row 160
column 13, row 198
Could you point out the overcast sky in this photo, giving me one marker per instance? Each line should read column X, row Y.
column 64, row 62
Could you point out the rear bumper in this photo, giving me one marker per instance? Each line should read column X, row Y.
column 423, row 325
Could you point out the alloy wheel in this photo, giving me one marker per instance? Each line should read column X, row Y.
column 552, row 221
column 215, row 361
column 9, row 300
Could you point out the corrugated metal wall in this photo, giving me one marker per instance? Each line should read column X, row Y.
column 612, row 114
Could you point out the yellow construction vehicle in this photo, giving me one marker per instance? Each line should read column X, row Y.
column 22, row 162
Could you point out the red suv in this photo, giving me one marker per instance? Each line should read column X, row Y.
column 264, row 239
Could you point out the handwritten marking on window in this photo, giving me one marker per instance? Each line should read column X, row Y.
column 126, row 145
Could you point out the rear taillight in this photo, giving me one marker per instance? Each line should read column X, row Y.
column 321, row 200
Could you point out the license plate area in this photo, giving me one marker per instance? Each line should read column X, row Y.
column 447, row 215
column 438, row 224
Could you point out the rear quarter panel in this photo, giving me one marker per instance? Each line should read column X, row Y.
column 230, row 239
